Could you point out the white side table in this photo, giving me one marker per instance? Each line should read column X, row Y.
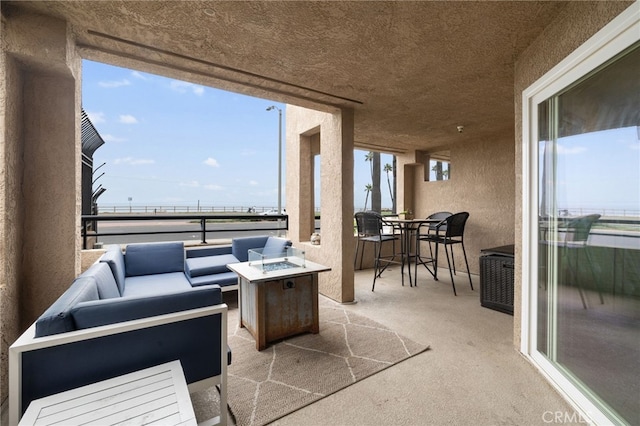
column 156, row 394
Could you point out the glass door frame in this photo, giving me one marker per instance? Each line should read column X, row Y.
column 615, row 37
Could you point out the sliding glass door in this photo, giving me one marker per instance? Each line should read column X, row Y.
column 587, row 295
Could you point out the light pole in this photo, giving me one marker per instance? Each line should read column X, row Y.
column 272, row 107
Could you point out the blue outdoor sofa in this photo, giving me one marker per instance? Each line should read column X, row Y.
column 208, row 265
column 129, row 311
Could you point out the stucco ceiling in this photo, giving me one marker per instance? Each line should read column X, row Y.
column 412, row 71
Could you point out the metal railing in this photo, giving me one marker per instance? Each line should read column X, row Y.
column 163, row 209
column 90, row 222
column 605, row 212
column 170, row 209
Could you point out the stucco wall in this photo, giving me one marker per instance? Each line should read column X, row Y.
column 51, row 257
column 11, row 209
column 573, row 26
column 40, row 162
column 481, row 183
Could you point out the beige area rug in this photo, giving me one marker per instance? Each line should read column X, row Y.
column 267, row 385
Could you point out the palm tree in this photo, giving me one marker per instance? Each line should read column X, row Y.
column 440, row 171
column 369, row 157
column 368, row 189
column 376, row 195
column 374, row 161
column 388, row 168
column 437, row 169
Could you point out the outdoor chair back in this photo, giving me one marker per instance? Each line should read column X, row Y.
column 368, row 224
column 442, row 226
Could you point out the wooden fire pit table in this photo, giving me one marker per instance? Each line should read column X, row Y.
column 278, row 297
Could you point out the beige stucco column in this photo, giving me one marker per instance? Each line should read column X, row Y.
column 406, row 170
column 329, row 135
column 40, row 169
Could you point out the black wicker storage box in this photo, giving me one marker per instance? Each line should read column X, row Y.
column 496, row 279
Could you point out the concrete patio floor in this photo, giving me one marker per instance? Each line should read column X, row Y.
column 472, row 375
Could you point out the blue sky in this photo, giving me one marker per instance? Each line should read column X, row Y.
column 170, row 142
column 599, row 170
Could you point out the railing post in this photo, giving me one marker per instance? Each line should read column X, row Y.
column 84, row 234
column 203, row 225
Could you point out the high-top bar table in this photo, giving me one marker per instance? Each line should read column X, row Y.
column 408, row 234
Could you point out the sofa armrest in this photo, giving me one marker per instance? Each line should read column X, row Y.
column 209, row 265
column 57, row 318
column 96, row 313
column 44, row 366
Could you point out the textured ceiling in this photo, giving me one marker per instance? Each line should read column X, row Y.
column 412, row 71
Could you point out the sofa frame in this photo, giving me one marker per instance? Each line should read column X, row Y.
column 65, row 349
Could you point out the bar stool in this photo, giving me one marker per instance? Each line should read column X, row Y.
column 369, row 225
column 449, row 232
